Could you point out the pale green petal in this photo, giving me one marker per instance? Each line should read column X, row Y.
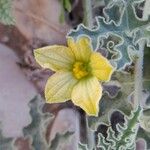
column 59, row 87
column 81, row 48
column 87, row 94
column 55, row 57
column 101, row 68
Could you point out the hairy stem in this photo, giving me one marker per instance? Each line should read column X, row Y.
column 88, row 21
column 139, row 75
column 87, row 6
column 90, row 136
column 139, row 67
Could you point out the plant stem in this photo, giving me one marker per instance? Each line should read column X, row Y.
column 88, row 21
column 90, row 136
column 139, row 76
column 88, row 17
column 139, row 66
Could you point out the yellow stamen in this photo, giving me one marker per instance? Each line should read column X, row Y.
column 80, row 70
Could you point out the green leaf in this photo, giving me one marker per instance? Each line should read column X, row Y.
column 6, row 16
column 82, row 146
column 123, row 26
column 67, row 5
column 36, row 130
column 114, row 11
column 126, row 137
column 120, row 102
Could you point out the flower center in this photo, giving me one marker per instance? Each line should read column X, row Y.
column 80, row 70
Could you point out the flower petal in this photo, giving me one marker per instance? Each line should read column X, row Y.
column 59, row 87
column 87, row 94
column 55, row 57
column 101, row 68
column 81, row 48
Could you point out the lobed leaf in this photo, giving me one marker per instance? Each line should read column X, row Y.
column 125, row 138
column 6, row 16
column 36, row 130
column 124, row 25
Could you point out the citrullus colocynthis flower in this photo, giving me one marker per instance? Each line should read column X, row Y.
column 79, row 73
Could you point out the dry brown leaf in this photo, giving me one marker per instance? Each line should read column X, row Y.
column 39, row 19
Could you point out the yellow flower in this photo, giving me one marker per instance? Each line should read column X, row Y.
column 78, row 72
